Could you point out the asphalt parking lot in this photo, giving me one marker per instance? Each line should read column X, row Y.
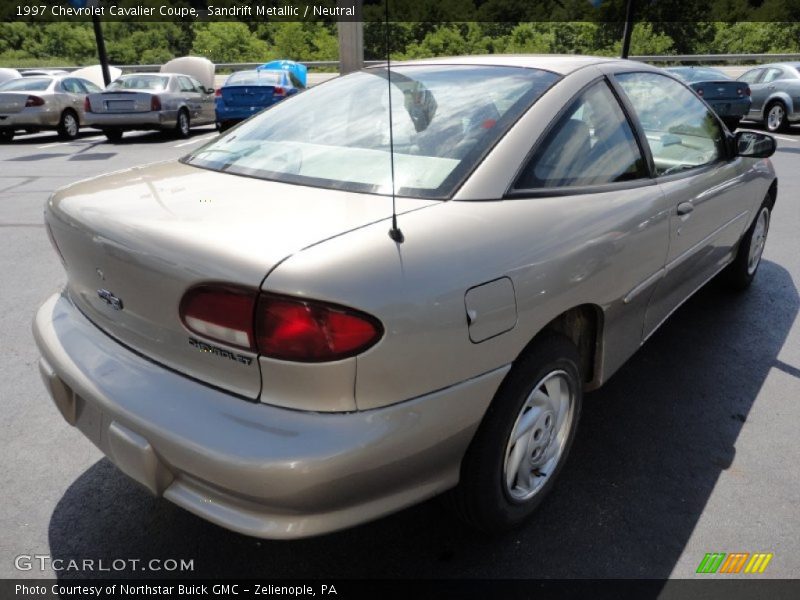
column 691, row 448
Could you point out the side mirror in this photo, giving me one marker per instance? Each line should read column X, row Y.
column 209, row 90
column 754, row 145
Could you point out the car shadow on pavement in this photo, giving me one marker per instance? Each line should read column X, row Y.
column 651, row 446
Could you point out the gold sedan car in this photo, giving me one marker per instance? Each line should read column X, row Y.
column 396, row 284
column 34, row 103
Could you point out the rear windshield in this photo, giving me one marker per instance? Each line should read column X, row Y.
column 254, row 78
column 139, row 82
column 692, row 74
column 336, row 135
column 27, row 84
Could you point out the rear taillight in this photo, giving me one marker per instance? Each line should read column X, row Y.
column 277, row 326
column 218, row 93
column 87, row 106
column 34, row 101
column 747, row 91
column 155, row 103
column 279, row 91
column 223, row 313
column 309, row 331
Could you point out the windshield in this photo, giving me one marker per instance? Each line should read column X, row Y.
column 139, row 82
column 27, row 84
column 254, row 78
column 336, row 135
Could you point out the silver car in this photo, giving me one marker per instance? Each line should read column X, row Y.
column 775, row 92
column 332, row 312
column 165, row 101
column 31, row 104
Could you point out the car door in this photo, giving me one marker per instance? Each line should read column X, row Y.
column 751, row 78
column 73, row 94
column 763, row 89
column 207, row 113
column 590, row 169
column 191, row 97
column 702, row 184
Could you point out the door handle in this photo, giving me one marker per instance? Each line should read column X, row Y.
column 684, row 208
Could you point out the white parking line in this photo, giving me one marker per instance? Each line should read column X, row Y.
column 195, row 140
column 79, row 141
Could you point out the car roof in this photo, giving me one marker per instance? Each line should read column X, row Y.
column 562, row 64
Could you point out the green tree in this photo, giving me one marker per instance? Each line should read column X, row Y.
column 223, row 42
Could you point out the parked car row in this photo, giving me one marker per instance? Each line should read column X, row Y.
column 174, row 99
column 768, row 94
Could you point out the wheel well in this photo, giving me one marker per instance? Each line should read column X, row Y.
column 772, row 194
column 70, row 110
column 581, row 324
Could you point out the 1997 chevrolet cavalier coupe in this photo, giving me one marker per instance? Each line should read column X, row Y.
column 245, row 333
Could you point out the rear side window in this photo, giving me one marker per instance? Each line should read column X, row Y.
column 591, row 144
column 72, row 86
column 772, row 75
column 751, row 76
column 186, row 84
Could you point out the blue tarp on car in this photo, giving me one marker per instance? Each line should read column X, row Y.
column 298, row 70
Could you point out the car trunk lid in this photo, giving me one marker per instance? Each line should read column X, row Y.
column 719, row 90
column 248, row 95
column 134, row 242
column 13, row 102
column 120, row 102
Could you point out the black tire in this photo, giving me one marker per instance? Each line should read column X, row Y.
column 6, row 135
column 779, row 122
column 113, row 135
column 731, row 122
column 182, row 124
column 69, row 126
column 484, row 498
column 741, row 272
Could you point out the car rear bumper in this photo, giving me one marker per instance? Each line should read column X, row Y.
column 254, row 468
column 236, row 114
column 30, row 118
column 145, row 120
column 730, row 108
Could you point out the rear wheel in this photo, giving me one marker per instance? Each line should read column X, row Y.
column 524, row 439
column 68, row 126
column 182, row 125
column 776, row 117
column 113, row 135
column 740, row 273
column 6, row 136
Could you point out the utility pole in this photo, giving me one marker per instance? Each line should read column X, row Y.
column 351, row 39
column 98, row 36
column 626, row 33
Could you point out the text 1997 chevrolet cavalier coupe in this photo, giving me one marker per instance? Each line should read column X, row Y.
column 245, row 333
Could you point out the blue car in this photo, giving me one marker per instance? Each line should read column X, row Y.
column 245, row 93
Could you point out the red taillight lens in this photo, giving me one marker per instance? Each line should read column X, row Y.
column 34, row 101
column 87, row 106
column 218, row 93
column 279, row 91
column 310, row 331
column 747, row 91
column 278, row 326
column 220, row 312
column 155, row 103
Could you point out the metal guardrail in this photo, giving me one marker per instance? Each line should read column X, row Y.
column 651, row 58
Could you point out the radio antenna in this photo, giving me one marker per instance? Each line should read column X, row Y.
column 394, row 232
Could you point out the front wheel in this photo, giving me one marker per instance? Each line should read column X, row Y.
column 524, row 439
column 740, row 273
